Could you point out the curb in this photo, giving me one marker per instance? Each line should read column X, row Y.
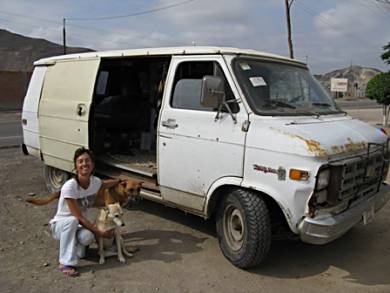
column 9, row 146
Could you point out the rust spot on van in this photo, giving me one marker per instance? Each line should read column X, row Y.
column 350, row 146
column 313, row 146
column 354, row 146
column 318, row 150
column 337, row 149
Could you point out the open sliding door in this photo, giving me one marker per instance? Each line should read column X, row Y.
column 64, row 110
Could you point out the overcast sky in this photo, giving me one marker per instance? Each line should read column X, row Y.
column 330, row 34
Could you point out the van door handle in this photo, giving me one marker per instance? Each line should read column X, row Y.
column 81, row 109
column 170, row 123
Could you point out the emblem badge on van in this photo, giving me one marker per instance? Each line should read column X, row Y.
column 281, row 172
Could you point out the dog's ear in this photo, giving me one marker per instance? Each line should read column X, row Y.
column 103, row 214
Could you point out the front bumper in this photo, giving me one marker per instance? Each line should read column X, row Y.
column 326, row 228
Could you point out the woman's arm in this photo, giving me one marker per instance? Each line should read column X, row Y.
column 75, row 210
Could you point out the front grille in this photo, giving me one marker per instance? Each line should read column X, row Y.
column 359, row 176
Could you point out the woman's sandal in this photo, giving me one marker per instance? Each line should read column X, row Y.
column 69, row 271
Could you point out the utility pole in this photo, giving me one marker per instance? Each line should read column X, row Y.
column 64, row 35
column 290, row 45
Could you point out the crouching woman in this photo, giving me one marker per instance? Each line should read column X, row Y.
column 70, row 225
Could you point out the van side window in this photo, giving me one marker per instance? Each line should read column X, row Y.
column 102, row 83
column 188, row 82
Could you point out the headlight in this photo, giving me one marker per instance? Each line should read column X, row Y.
column 321, row 193
column 323, row 179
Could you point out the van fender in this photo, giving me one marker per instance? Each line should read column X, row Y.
column 210, row 196
column 265, row 189
column 282, row 201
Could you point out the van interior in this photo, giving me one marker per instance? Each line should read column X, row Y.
column 124, row 113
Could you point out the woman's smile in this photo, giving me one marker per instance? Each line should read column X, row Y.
column 84, row 165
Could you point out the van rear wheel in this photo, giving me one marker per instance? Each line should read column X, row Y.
column 244, row 228
column 54, row 178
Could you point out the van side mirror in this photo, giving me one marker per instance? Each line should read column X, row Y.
column 213, row 95
column 213, row 91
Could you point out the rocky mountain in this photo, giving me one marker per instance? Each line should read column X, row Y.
column 357, row 76
column 17, row 52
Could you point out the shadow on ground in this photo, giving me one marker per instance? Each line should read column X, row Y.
column 293, row 259
column 352, row 254
column 154, row 245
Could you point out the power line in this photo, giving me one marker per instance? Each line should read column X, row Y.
column 58, row 27
column 387, row 2
column 96, row 18
column 75, row 35
column 326, row 20
column 57, row 22
column 29, row 17
column 120, row 16
column 375, row 7
column 131, row 14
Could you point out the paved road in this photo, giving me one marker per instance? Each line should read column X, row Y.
column 10, row 133
column 358, row 104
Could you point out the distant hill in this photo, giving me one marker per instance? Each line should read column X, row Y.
column 17, row 52
column 357, row 76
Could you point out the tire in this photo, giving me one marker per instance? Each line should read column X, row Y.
column 244, row 228
column 54, row 178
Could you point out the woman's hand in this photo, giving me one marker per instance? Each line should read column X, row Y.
column 75, row 210
column 105, row 234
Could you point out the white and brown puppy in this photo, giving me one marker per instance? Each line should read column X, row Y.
column 110, row 217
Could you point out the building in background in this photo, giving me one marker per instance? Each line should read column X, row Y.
column 357, row 78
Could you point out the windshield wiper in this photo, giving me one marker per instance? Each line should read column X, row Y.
column 329, row 106
column 279, row 104
column 322, row 104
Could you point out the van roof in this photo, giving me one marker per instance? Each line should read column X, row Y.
column 190, row 50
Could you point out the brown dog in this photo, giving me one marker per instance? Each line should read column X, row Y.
column 121, row 193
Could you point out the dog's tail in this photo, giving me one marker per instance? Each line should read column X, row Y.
column 43, row 201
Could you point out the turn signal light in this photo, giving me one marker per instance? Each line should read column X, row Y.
column 299, row 175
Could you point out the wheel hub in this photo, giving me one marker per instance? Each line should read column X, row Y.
column 55, row 178
column 234, row 227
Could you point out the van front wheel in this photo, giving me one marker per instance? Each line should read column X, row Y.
column 54, row 178
column 244, row 228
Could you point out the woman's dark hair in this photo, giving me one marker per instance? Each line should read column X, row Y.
column 81, row 151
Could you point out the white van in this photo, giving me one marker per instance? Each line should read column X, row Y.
column 248, row 136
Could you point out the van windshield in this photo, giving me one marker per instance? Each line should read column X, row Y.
column 274, row 88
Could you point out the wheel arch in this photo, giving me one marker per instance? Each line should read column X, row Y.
column 278, row 214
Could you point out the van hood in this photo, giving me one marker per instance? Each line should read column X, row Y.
column 320, row 137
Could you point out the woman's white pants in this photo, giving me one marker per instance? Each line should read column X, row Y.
column 73, row 240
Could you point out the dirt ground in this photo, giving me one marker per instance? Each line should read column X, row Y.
column 178, row 252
